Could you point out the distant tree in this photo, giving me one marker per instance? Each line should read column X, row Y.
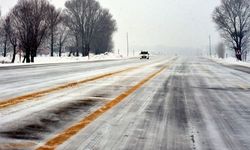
column 83, row 18
column 102, row 38
column 54, row 19
column 4, row 37
column 31, row 19
column 93, row 15
column 11, row 33
column 233, row 21
column 70, row 45
column 63, row 35
column 220, row 50
column 73, row 19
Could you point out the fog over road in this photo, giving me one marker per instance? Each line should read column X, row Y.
column 162, row 103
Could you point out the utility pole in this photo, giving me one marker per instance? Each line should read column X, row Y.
column 210, row 46
column 127, row 46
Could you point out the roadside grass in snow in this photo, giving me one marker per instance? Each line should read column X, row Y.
column 43, row 59
column 230, row 61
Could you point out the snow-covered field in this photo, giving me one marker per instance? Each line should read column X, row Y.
column 5, row 61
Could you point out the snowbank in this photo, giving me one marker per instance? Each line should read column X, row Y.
column 230, row 61
column 5, row 61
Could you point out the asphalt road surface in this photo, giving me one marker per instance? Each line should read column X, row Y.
column 162, row 103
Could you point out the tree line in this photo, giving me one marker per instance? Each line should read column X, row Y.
column 232, row 18
column 32, row 26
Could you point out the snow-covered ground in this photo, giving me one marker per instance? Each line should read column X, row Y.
column 230, row 61
column 194, row 104
column 5, row 61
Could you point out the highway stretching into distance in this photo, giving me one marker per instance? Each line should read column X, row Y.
column 172, row 103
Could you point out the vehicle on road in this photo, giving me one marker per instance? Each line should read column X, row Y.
column 144, row 55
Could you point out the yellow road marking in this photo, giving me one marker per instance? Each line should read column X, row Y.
column 38, row 94
column 34, row 95
column 71, row 131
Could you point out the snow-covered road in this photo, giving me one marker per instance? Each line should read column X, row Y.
column 162, row 103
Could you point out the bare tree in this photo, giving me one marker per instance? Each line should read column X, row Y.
column 11, row 34
column 30, row 18
column 103, row 34
column 81, row 18
column 54, row 19
column 93, row 15
column 73, row 19
column 63, row 35
column 233, row 21
column 4, row 37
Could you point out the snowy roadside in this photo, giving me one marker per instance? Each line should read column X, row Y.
column 230, row 61
column 64, row 59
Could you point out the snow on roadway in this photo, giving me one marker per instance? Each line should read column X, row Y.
column 195, row 104
column 18, row 122
column 27, row 79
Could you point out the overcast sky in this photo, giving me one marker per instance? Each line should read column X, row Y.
column 157, row 24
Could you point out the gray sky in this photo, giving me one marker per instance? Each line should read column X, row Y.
column 158, row 24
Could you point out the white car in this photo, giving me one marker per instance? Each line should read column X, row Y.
column 144, row 55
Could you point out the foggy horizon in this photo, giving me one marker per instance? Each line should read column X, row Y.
column 159, row 25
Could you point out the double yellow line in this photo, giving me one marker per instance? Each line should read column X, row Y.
column 35, row 95
column 74, row 129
